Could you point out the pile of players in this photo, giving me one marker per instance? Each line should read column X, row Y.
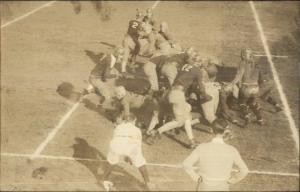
column 178, row 81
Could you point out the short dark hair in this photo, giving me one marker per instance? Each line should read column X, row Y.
column 130, row 117
column 219, row 126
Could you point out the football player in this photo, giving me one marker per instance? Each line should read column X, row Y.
column 103, row 75
column 247, row 78
column 126, row 141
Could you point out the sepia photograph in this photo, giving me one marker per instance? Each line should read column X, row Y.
column 149, row 95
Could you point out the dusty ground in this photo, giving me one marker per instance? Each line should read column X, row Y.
column 56, row 45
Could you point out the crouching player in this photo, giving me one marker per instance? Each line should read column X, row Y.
column 182, row 114
column 102, row 77
column 129, row 101
column 247, row 77
column 126, row 142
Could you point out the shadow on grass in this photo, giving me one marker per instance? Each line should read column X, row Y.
column 121, row 178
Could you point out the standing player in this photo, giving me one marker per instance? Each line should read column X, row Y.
column 126, row 141
column 215, row 160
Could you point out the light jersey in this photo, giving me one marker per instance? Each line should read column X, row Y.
column 126, row 137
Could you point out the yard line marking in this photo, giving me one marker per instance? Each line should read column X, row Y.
column 277, row 56
column 155, row 4
column 65, row 182
column 51, row 135
column 177, row 166
column 27, row 14
column 287, row 109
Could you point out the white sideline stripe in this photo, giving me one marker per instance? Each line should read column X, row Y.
column 27, row 14
column 178, row 166
column 155, row 4
column 287, row 109
column 52, row 134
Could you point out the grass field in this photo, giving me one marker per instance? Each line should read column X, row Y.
column 55, row 45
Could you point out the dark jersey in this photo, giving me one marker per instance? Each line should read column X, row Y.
column 133, row 27
column 187, row 75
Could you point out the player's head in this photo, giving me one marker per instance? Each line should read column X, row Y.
column 120, row 92
column 139, row 15
column 246, row 54
column 164, row 27
column 149, row 12
column 131, row 118
column 220, row 126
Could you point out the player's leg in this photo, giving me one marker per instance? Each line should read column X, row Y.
column 254, row 105
column 189, row 132
column 170, row 71
column 246, row 98
column 208, row 107
column 169, row 126
column 112, row 159
column 138, row 160
column 150, row 72
column 265, row 93
column 224, row 94
column 153, row 122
